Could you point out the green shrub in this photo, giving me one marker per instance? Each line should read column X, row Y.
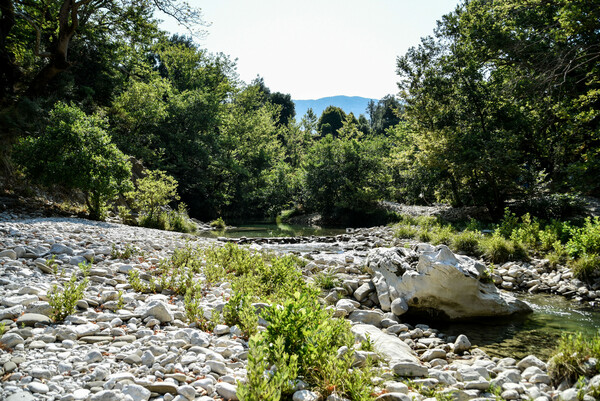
column 558, row 255
column 571, row 355
column 466, row 242
column 303, row 340
column 526, row 232
column 326, row 280
column 508, row 224
column 153, row 192
column 179, row 220
column 587, row 267
column 586, row 239
column 404, row 231
column 63, row 301
column 76, row 152
column 218, row 223
column 239, row 311
column 442, row 235
column 496, row 248
column 424, row 235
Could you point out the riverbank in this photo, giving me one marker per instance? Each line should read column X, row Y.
column 120, row 343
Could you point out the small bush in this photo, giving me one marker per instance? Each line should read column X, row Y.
column 405, row 231
column 587, row 267
column 571, row 355
column 585, row 240
column 466, row 242
column 442, row 235
column 63, row 301
column 496, row 249
column 424, row 235
column 153, row 192
column 326, row 280
column 219, row 224
column 303, row 340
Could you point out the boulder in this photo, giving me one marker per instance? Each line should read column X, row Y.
column 400, row 356
column 443, row 284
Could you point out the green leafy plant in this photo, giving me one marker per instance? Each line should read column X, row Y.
column 572, row 352
column 120, row 302
column 2, row 328
column 219, row 223
column 467, row 242
column 153, row 192
column 326, row 280
column 63, row 301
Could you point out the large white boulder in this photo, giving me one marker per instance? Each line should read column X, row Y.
column 443, row 284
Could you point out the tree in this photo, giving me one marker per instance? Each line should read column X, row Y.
column 48, row 27
column 309, row 122
column 331, row 120
column 501, row 95
column 152, row 192
column 288, row 109
column 75, row 151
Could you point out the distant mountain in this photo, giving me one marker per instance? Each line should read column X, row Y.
column 350, row 104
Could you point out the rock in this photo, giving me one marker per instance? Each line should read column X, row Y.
column 12, row 312
column 107, row 395
column 21, row 396
column 370, row 317
column 399, row 306
column 531, row 360
column 227, row 391
column 432, row 354
column 8, row 253
column 394, row 397
column 37, row 387
column 188, row 392
column 305, row 395
column 159, row 310
column 461, row 344
column 162, row 387
column 31, row 319
column 396, row 387
column 59, row 249
column 363, row 291
column 133, row 359
column 11, row 340
column 137, row 392
column 444, row 283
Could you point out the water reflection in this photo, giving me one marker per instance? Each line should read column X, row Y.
column 535, row 334
column 261, row 230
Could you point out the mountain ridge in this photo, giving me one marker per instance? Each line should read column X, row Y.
column 350, row 104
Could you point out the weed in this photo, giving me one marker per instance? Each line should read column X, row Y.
column 326, row 280
column 2, row 328
column 442, row 235
column 63, row 301
column 302, row 340
column 51, row 263
column 571, row 356
column 587, row 267
column 125, row 254
column 85, row 268
column 239, row 311
column 120, row 302
column 137, row 284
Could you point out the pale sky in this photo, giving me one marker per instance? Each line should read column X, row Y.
column 317, row 48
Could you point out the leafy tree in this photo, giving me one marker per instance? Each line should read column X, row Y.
column 75, row 151
column 331, row 120
column 309, row 122
column 384, row 114
column 38, row 35
column 288, row 109
column 344, row 174
column 153, row 192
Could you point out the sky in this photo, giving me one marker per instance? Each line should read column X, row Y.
column 317, row 48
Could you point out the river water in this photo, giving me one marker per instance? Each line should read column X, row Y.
column 517, row 337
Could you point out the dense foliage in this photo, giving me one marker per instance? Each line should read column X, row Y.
column 500, row 104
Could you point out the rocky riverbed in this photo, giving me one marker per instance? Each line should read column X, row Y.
column 124, row 345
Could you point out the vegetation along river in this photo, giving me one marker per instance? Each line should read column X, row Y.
column 516, row 337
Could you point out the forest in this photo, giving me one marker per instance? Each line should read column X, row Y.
column 501, row 104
